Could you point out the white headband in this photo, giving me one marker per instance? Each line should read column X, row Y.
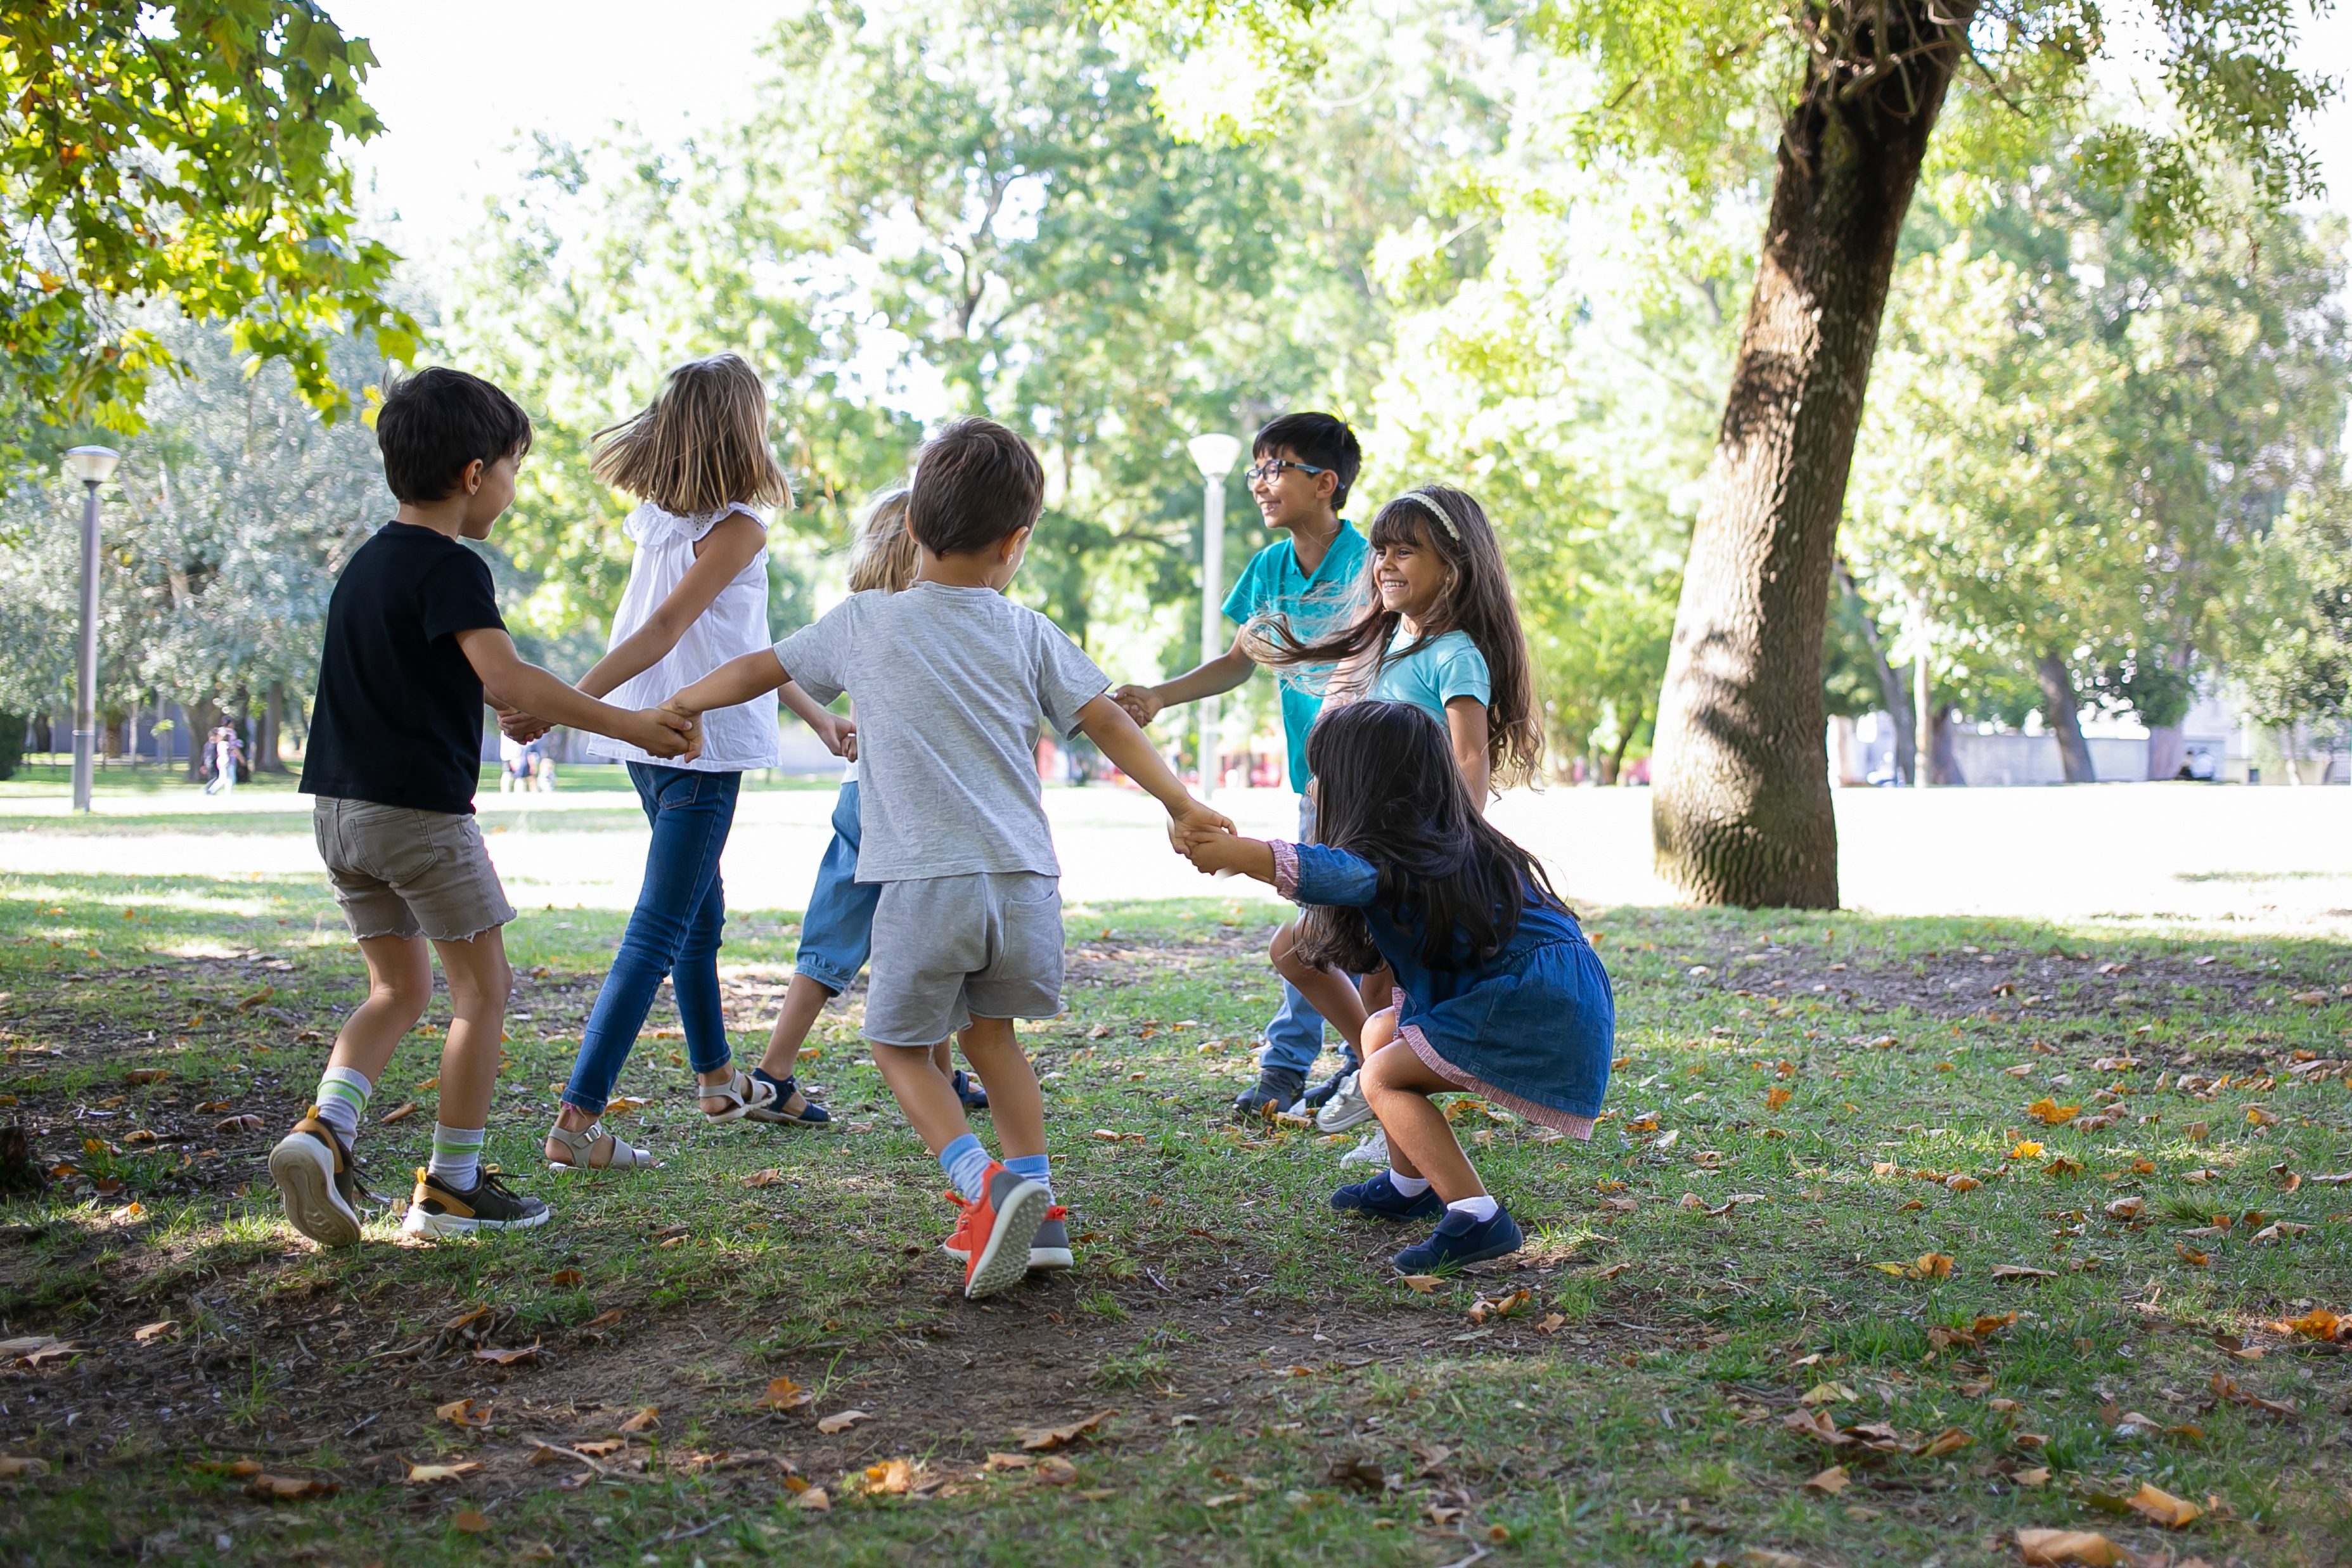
column 1421, row 499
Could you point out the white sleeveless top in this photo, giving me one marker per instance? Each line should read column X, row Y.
column 733, row 739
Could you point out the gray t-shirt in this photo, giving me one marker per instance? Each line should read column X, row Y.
column 949, row 684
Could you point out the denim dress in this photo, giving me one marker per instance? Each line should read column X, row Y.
column 1531, row 1028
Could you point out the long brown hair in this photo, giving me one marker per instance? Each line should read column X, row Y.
column 1476, row 602
column 884, row 555
column 700, row 445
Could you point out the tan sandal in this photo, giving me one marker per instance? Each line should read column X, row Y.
column 745, row 1096
column 618, row 1155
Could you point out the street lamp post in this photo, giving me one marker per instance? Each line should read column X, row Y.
column 1214, row 453
column 93, row 465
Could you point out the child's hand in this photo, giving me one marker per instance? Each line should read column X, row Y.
column 520, row 727
column 1193, row 817
column 1217, row 851
column 1140, row 704
column 665, row 732
column 840, row 736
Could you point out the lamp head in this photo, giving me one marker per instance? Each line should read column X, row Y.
column 1215, row 453
column 92, row 465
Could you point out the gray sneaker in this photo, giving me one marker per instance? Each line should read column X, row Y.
column 1346, row 1108
column 1049, row 1249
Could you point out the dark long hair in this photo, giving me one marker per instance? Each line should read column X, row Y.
column 1476, row 602
column 1387, row 788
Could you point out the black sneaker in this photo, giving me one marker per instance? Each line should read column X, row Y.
column 1320, row 1095
column 969, row 1089
column 1276, row 1087
column 317, row 1181
column 1458, row 1240
column 489, row 1205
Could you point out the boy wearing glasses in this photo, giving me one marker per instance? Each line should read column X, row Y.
column 1301, row 467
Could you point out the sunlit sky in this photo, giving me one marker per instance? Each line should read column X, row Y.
column 461, row 81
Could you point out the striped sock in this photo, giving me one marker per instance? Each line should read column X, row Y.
column 342, row 1099
column 1038, row 1168
column 966, row 1164
column 456, row 1156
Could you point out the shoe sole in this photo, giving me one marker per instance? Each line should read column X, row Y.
column 779, row 1119
column 999, row 1266
column 1391, row 1216
column 304, row 1170
column 1356, row 1115
column 419, row 1223
column 1464, row 1261
column 1042, row 1260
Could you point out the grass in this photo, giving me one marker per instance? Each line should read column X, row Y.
column 1281, row 1396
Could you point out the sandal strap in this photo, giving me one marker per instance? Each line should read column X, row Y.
column 579, row 1143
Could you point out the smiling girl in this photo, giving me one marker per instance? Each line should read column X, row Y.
column 1440, row 631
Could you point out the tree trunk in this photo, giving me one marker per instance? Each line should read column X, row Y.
column 204, row 716
column 273, row 719
column 1741, row 814
column 2062, row 707
column 1617, row 757
column 1890, row 685
column 2168, row 749
column 1943, row 751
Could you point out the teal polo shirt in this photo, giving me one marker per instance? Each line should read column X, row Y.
column 1313, row 605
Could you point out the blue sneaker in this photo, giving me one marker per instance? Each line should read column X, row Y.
column 1459, row 1239
column 974, row 1097
column 1380, row 1199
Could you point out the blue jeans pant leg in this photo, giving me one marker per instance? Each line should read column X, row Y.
column 837, row 930
column 1294, row 1038
column 674, row 930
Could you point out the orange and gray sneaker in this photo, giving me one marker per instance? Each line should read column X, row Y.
column 438, row 1209
column 317, row 1183
column 1049, row 1250
column 994, row 1234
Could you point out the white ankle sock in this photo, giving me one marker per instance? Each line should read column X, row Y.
column 1481, row 1208
column 457, row 1160
column 342, row 1099
column 1410, row 1186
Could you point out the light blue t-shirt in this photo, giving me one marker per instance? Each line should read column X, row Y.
column 1450, row 667
column 1313, row 605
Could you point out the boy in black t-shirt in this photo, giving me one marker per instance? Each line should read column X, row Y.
column 414, row 641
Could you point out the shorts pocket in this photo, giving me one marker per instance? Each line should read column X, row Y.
column 1032, row 939
column 394, row 844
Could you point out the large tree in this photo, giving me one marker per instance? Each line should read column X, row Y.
column 1848, row 93
column 182, row 152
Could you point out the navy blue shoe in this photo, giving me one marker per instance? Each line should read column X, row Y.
column 812, row 1114
column 1459, row 1239
column 1380, row 1199
column 973, row 1096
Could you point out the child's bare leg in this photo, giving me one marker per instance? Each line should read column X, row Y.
column 1326, row 990
column 400, row 986
column 1014, row 1104
column 1378, row 989
column 479, row 983
column 923, row 1093
column 804, row 999
column 1419, row 1141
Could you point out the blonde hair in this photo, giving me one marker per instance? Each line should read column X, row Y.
column 884, row 555
column 700, row 445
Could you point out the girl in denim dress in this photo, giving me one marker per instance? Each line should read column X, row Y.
column 1497, row 993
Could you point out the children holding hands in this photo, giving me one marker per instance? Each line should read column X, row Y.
column 949, row 678
column 414, row 642
column 1497, row 993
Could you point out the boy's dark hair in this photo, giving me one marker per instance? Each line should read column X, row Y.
column 436, row 422
column 976, row 484
column 1322, row 439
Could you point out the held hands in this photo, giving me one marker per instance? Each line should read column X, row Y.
column 1140, row 703
column 839, row 735
column 665, row 732
column 520, row 727
column 1210, row 851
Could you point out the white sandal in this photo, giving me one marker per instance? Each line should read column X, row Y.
column 744, row 1093
column 621, row 1156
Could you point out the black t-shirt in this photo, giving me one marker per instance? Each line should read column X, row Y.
column 399, row 716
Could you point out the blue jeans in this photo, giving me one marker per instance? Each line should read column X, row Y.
column 837, row 932
column 1295, row 1037
column 674, row 931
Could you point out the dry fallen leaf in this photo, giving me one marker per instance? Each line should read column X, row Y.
column 1057, row 1472
column 1011, row 1461
column 1775, row 1098
column 2019, row 1271
column 1423, row 1283
column 1553, row 1323
column 423, row 1474
column 1830, row 1482
column 603, row 1448
column 892, row 1477
column 1950, row 1440
column 814, row 1499
column 783, row 1393
column 1826, row 1393
column 2050, row 1112
column 246, row 1123
column 2161, row 1506
column 287, row 1488
column 462, row 1413
column 2127, row 1208
column 1501, row 1306
column 2085, row 1547
column 471, row 1520
column 605, row 1320
column 767, row 1178
column 1960, row 1184
column 401, row 1112
column 2037, row 1477
column 508, row 1357
column 13, row 1466
column 646, row 1420
column 564, row 1278
column 153, row 1332
column 840, row 1421
column 2319, row 1323
column 1036, row 1438
column 228, row 1467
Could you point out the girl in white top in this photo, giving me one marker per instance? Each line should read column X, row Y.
column 697, row 596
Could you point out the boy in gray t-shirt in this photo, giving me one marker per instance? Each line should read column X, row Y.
column 949, row 678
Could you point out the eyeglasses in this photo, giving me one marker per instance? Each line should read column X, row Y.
column 1271, row 471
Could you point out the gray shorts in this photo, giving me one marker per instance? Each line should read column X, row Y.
column 398, row 871
column 948, row 950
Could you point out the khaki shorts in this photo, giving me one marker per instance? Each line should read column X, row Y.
column 398, row 871
column 987, row 944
